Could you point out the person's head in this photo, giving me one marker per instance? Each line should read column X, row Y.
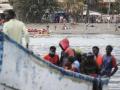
column 83, row 57
column 90, row 56
column 2, row 16
column 90, row 59
column 61, row 47
column 109, row 49
column 64, row 44
column 95, row 50
column 9, row 14
column 52, row 51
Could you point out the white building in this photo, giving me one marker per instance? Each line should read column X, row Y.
column 4, row 5
column 3, row 1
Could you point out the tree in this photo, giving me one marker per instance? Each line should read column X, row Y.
column 115, row 7
column 32, row 10
column 73, row 7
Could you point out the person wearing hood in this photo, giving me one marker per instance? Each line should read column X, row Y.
column 66, row 51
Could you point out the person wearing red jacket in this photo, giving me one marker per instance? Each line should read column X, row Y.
column 52, row 56
column 67, row 52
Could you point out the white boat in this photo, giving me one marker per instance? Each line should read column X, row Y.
column 23, row 70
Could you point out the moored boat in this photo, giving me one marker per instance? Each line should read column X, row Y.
column 38, row 32
column 23, row 70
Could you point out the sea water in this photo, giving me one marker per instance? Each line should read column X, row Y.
column 84, row 43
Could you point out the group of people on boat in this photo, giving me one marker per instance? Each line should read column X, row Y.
column 91, row 63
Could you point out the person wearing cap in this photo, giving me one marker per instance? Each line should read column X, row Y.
column 52, row 56
column 14, row 28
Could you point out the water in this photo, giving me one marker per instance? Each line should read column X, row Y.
column 40, row 46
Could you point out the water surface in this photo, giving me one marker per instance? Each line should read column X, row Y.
column 85, row 42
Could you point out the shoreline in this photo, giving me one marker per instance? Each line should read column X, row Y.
column 79, row 28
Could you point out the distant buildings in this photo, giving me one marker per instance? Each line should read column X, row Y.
column 105, row 3
column 3, row 1
column 61, row 0
column 4, row 5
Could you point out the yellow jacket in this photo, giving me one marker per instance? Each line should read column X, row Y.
column 16, row 29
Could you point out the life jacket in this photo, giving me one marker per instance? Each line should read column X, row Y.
column 99, row 60
column 53, row 60
column 108, row 63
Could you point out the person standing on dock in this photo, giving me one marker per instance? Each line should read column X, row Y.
column 14, row 28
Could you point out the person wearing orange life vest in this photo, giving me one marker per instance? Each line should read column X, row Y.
column 66, row 51
column 98, row 57
column 109, row 66
column 52, row 56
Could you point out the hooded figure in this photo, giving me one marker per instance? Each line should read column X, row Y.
column 64, row 44
column 66, row 51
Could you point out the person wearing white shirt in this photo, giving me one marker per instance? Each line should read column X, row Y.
column 14, row 28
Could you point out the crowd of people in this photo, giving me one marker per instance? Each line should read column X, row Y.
column 91, row 63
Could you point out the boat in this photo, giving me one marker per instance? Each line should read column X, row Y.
column 33, row 32
column 23, row 70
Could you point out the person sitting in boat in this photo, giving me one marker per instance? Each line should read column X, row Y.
column 66, row 51
column 77, row 62
column 52, row 56
column 98, row 57
column 75, row 66
column 89, row 65
column 109, row 66
column 68, row 63
column 71, row 64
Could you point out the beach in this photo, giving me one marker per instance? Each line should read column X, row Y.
column 78, row 28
